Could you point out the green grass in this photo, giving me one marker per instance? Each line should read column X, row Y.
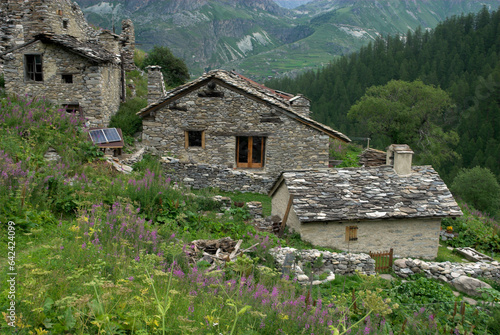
column 444, row 254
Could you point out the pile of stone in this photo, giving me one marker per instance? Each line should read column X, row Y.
column 372, row 157
column 446, row 271
column 293, row 261
column 473, row 255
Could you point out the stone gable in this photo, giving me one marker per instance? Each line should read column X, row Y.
column 288, row 143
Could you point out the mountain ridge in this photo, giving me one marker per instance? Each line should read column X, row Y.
column 260, row 38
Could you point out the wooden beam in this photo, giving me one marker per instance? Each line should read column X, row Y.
column 285, row 217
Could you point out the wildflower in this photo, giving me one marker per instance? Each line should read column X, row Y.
column 131, row 278
column 84, row 245
column 61, row 247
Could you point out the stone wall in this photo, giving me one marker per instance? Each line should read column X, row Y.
column 446, row 271
column 332, row 262
column 156, row 83
column 200, row 176
column 91, row 82
column 128, row 45
column 37, row 16
column 289, row 143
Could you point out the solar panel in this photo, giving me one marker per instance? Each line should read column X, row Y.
column 112, row 135
column 97, row 136
column 107, row 135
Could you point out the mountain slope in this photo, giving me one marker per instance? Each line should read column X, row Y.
column 262, row 39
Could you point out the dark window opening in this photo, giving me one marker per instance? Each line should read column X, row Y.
column 250, row 151
column 67, row 78
column 195, row 138
column 33, row 65
column 74, row 109
column 65, row 23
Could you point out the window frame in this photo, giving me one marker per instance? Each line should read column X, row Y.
column 250, row 164
column 29, row 75
column 186, row 139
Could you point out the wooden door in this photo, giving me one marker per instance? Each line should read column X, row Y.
column 250, row 151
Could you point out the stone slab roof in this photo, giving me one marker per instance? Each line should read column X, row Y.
column 254, row 90
column 372, row 193
column 88, row 49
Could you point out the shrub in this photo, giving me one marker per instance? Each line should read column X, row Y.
column 127, row 119
column 479, row 188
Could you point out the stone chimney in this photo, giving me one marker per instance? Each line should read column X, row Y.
column 156, row 84
column 399, row 156
column 128, row 44
column 301, row 105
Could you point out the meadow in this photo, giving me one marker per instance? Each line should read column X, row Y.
column 99, row 252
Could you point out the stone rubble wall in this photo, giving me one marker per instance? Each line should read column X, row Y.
column 334, row 263
column 128, row 45
column 37, row 16
column 446, row 271
column 90, row 87
column 156, row 83
column 200, row 176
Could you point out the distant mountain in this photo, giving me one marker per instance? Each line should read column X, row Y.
column 260, row 38
column 291, row 3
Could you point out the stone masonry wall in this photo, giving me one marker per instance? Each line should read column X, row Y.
column 408, row 237
column 289, row 143
column 90, row 87
column 200, row 176
column 128, row 45
column 37, row 16
column 446, row 271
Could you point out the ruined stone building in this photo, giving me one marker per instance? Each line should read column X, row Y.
column 225, row 119
column 49, row 50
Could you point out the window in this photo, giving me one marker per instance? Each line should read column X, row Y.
column 73, row 108
column 33, row 67
column 194, row 138
column 250, row 151
column 67, row 78
column 351, row 233
column 65, row 23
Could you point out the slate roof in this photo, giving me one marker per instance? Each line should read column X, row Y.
column 246, row 86
column 89, row 49
column 368, row 194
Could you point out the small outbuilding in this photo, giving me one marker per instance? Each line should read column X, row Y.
column 368, row 209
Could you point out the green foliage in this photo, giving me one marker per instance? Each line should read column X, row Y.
column 139, row 57
column 423, row 291
column 126, row 118
column 408, row 113
column 175, row 71
column 479, row 188
column 346, row 152
column 140, row 80
column 459, row 56
column 475, row 229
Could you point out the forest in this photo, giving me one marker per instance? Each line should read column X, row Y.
column 460, row 56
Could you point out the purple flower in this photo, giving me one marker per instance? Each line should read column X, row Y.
column 130, row 278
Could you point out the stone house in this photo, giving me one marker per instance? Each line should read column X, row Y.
column 368, row 209
column 225, row 119
column 49, row 50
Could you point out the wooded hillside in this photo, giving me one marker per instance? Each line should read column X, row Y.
column 461, row 55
